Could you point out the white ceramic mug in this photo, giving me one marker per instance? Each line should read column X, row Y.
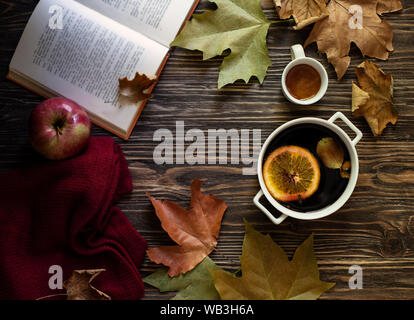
column 350, row 145
column 298, row 57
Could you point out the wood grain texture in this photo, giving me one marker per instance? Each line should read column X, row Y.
column 375, row 229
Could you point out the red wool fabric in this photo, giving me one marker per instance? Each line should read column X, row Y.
column 62, row 213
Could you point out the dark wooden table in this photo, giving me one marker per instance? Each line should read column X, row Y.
column 375, row 229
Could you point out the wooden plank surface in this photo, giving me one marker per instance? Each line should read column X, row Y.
column 375, row 229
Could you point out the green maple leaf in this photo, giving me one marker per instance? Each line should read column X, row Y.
column 196, row 284
column 238, row 25
column 267, row 273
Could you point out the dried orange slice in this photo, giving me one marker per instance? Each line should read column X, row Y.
column 291, row 173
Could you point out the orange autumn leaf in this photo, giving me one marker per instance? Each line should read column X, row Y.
column 195, row 231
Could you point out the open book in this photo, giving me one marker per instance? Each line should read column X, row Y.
column 79, row 49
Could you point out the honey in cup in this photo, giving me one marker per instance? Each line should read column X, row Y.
column 303, row 82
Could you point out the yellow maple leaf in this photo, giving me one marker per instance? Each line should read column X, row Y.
column 268, row 274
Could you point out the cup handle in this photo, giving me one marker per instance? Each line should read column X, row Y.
column 297, row 51
column 256, row 201
column 340, row 115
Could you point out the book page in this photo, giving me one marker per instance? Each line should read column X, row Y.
column 84, row 60
column 159, row 20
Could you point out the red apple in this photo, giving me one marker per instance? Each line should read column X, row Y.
column 59, row 128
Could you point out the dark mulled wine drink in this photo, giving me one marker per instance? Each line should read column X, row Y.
column 331, row 185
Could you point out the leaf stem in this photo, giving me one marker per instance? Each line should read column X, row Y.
column 282, row 21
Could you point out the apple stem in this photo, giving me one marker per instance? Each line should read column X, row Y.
column 58, row 126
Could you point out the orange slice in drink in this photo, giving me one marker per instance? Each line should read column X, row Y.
column 291, row 173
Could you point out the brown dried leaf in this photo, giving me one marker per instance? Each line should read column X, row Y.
column 195, row 231
column 334, row 34
column 305, row 12
column 78, row 286
column 373, row 97
column 135, row 90
column 387, row 6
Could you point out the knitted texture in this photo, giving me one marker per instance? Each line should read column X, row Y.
column 62, row 213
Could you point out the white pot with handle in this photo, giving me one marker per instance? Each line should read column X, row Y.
column 326, row 211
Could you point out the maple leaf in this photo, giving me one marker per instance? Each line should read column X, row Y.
column 305, row 12
column 196, row 284
column 195, row 231
column 78, row 286
column 334, row 34
column 267, row 273
column 238, row 25
column 373, row 98
column 135, row 90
